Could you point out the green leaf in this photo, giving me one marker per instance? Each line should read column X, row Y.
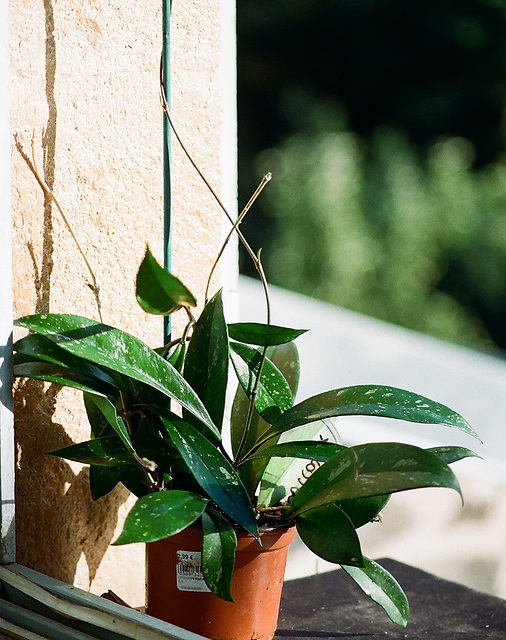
column 329, row 533
column 158, row 291
column 452, row 454
column 206, row 364
column 110, row 451
column 263, row 335
column 282, row 475
column 370, row 470
column 121, row 352
column 363, row 510
column 102, row 481
column 39, row 348
column 307, row 449
column 219, row 543
column 98, row 422
column 60, row 375
column 160, row 515
column 134, row 479
column 286, row 358
column 214, row 473
column 116, row 421
column 367, row 400
column 177, row 357
column 382, row 588
column 273, row 394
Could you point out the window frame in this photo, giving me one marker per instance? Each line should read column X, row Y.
column 7, row 449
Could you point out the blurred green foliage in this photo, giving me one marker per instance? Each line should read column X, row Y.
column 388, row 238
column 383, row 124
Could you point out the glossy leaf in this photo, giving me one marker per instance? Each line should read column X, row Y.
column 273, row 394
column 110, row 451
column 369, row 470
column 159, row 515
column 121, row 352
column 102, row 481
column 282, row 476
column 98, row 422
column 214, row 473
column 177, row 357
column 382, row 588
column 55, row 374
column 367, row 400
column 158, row 291
column 306, row 449
column 329, row 533
column 452, row 454
column 206, row 363
column 219, row 543
column 263, row 335
column 116, row 421
column 361, row 511
column 134, row 479
column 37, row 347
column 286, row 358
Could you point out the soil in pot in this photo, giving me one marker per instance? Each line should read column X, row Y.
column 176, row 591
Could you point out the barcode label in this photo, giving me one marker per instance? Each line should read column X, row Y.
column 189, row 576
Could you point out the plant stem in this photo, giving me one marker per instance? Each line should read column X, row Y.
column 32, row 165
column 265, row 179
column 235, row 227
column 243, row 240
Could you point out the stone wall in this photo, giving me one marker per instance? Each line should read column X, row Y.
column 85, row 114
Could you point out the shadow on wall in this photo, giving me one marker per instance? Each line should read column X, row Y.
column 56, row 520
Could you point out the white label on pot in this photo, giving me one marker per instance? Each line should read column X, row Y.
column 189, row 576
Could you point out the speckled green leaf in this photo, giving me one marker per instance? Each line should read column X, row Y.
column 368, row 400
column 329, row 533
column 263, row 335
column 369, row 470
column 282, row 475
column 36, row 347
column 98, row 422
column 121, row 352
column 115, row 420
column 160, row 515
column 286, row 358
column 273, row 394
column 60, row 375
column 214, row 473
column 110, row 451
column 219, row 543
column 306, row 449
column 452, row 454
column 102, row 481
column 206, row 363
column 362, row 510
column 382, row 588
column 177, row 357
column 158, row 291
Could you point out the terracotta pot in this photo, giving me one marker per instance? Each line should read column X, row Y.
column 172, row 567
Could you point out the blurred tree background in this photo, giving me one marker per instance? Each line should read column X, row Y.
column 383, row 123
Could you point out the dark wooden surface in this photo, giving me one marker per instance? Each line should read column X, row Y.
column 330, row 605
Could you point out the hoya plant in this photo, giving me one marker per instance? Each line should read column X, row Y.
column 158, row 426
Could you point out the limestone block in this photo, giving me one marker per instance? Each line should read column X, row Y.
column 85, row 97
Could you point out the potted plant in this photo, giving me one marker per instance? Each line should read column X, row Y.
column 159, row 426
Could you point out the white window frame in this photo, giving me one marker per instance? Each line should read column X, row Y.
column 7, row 545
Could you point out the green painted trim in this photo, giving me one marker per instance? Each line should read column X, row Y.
column 167, row 182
